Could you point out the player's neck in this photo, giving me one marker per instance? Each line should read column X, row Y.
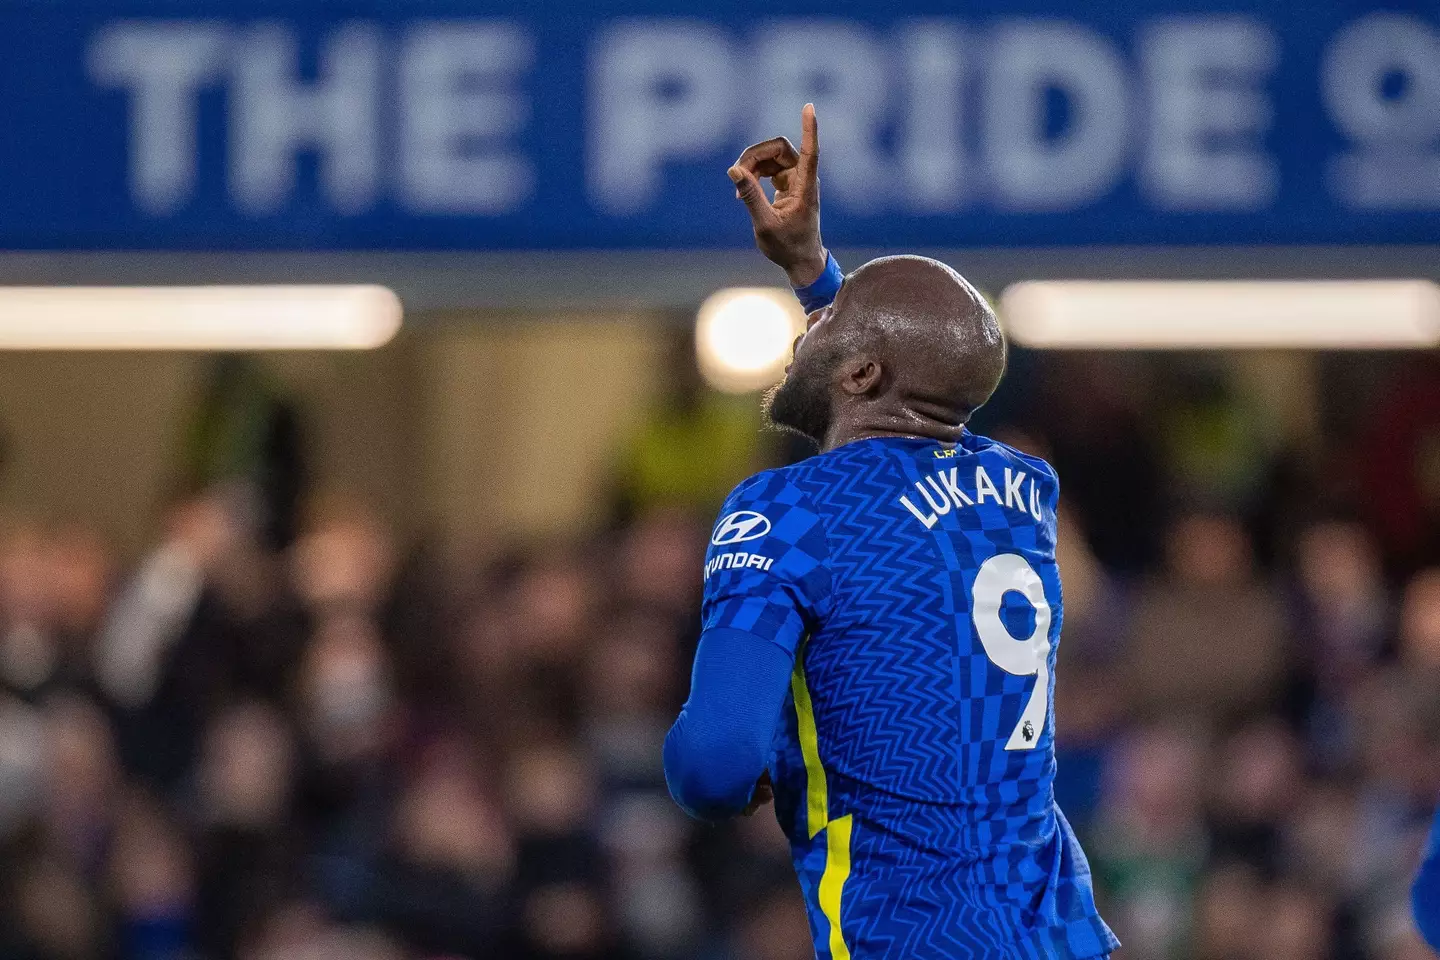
column 903, row 423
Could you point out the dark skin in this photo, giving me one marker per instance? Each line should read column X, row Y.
column 908, row 348
column 787, row 227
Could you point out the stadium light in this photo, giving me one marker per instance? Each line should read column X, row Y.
column 743, row 337
column 1166, row 315
column 357, row 317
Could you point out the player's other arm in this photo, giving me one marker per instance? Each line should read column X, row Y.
column 1425, row 894
column 766, row 585
column 718, row 748
column 787, row 228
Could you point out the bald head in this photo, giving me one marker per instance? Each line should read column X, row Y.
column 908, row 346
column 938, row 334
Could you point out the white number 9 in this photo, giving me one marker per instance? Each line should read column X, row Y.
column 1022, row 658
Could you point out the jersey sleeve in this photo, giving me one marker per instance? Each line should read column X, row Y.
column 1425, row 892
column 766, row 570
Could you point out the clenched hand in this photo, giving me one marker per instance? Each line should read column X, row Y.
column 787, row 228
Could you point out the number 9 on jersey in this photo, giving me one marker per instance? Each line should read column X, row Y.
column 998, row 576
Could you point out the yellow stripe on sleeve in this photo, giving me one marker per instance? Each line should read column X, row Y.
column 817, row 799
column 832, row 881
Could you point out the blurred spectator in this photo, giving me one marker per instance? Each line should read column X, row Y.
column 1342, row 620
column 1420, row 622
column 244, row 434
column 773, row 926
column 1398, row 466
column 152, row 878
column 1215, row 452
column 1229, row 912
column 82, row 784
column 55, row 913
column 1105, row 453
column 1150, row 844
column 1252, row 796
column 351, row 748
column 1212, row 633
column 54, row 585
column 244, row 789
column 660, row 559
column 1298, row 924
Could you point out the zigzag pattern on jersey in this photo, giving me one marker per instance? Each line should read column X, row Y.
column 962, row 907
column 945, row 916
column 885, row 704
column 956, row 847
column 912, row 704
column 1008, row 792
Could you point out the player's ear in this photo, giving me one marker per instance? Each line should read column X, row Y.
column 863, row 376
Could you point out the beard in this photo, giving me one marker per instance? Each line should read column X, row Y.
column 801, row 402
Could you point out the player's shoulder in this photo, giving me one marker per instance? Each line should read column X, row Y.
column 778, row 487
column 987, row 445
column 769, row 507
column 811, row 482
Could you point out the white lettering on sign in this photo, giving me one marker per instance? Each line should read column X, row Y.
column 163, row 65
column 842, row 67
column 1028, row 170
column 933, row 165
column 1381, row 84
column 928, row 117
column 1207, row 114
column 274, row 116
column 660, row 90
column 459, row 110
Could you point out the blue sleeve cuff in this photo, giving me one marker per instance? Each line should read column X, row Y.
column 823, row 290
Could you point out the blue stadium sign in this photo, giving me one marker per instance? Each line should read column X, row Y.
column 548, row 125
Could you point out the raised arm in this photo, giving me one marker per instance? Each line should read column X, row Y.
column 787, row 228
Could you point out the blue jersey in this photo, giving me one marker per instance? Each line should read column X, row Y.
column 914, row 761
column 1425, row 893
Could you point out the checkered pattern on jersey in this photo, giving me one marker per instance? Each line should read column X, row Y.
column 950, row 908
column 924, row 893
column 779, row 601
column 906, row 698
column 912, row 717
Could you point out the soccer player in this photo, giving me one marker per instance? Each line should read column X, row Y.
column 1425, row 894
column 880, row 622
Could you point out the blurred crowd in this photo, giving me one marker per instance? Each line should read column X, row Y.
column 340, row 745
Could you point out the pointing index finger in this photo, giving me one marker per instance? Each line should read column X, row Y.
column 809, row 141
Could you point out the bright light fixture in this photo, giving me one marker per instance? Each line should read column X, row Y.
column 198, row 318
column 743, row 337
column 1162, row 315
